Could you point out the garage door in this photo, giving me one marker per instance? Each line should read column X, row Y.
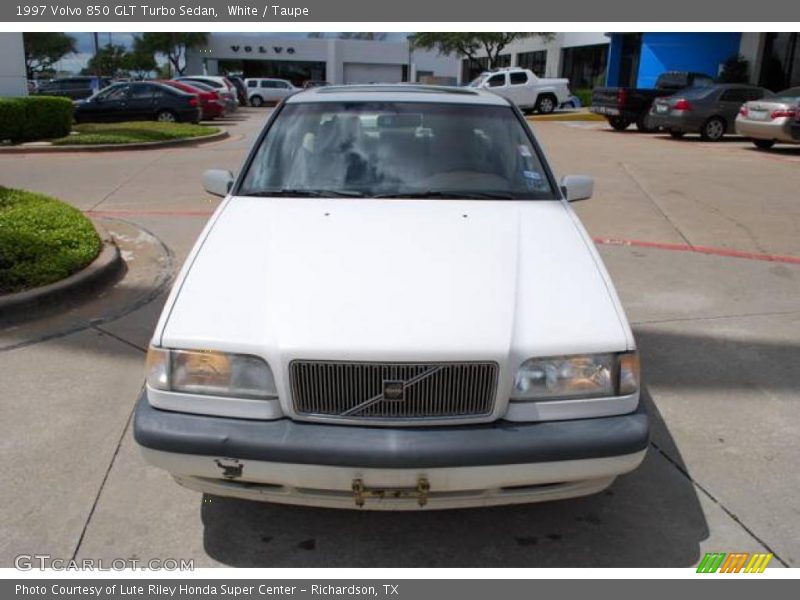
column 372, row 73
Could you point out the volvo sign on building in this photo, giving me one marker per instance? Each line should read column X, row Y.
column 331, row 59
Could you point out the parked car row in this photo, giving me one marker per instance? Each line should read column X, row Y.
column 140, row 101
column 692, row 103
column 625, row 105
column 76, row 88
column 709, row 111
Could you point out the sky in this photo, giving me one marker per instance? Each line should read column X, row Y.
column 85, row 45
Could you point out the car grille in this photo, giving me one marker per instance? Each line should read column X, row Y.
column 359, row 390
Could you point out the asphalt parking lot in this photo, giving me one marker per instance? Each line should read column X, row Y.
column 702, row 241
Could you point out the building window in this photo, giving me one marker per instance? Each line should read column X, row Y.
column 584, row 66
column 780, row 68
column 535, row 61
column 296, row 71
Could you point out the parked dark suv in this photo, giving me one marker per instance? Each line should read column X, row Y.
column 76, row 88
column 139, row 101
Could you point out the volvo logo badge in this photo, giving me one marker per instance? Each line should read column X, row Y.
column 393, row 389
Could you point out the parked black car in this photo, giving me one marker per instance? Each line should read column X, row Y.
column 76, row 88
column 241, row 90
column 139, row 101
column 623, row 105
column 710, row 111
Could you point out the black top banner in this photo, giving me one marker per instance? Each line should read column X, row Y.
column 262, row 12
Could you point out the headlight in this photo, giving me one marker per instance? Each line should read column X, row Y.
column 586, row 376
column 209, row 372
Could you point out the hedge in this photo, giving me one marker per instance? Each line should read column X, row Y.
column 34, row 118
column 42, row 240
column 585, row 96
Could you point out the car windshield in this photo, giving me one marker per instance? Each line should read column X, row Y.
column 397, row 149
column 696, row 92
column 478, row 80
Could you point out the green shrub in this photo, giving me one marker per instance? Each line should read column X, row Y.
column 42, row 240
column 12, row 116
column 34, row 118
column 585, row 96
column 132, row 132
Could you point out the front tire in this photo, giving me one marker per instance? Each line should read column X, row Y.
column 713, row 129
column 618, row 123
column 166, row 116
column 763, row 144
column 545, row 104
column 256, row 101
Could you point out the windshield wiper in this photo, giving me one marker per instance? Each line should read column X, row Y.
column 455, row 194
column 303, row 193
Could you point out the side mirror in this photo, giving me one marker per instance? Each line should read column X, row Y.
column 218, row 182
column 577, row 187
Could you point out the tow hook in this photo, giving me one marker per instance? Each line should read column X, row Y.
column 362, row 492
column 231, row 467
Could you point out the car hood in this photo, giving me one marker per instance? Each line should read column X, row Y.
column 361, row 279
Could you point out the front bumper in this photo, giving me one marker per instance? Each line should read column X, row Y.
column 317, row 464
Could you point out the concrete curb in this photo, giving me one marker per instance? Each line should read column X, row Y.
column 105, row 265
column 195, row 141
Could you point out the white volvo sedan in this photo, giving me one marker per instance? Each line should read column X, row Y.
column 394, row 307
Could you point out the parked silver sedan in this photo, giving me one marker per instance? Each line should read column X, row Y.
column 709, row 111
column 771, row 120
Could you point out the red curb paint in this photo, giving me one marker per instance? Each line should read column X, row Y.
column 794, row 260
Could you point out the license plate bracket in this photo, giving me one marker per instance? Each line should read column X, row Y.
column 362, row 492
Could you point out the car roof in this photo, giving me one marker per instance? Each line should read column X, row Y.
column 397, row 92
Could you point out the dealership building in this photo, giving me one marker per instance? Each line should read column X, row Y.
column 336, row 60
column 13, row 80
column 637, row 59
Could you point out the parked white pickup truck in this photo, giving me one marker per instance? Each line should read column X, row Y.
column 394, row 307
column 525, row 89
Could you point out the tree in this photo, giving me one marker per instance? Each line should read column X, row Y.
column 173, row 46
column 468, row 45
column 362, row 35
column 45, row 49
column 734, row 70
column 140, row 60
column 108, row 61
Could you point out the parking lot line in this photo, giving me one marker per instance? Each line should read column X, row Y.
column 727, row 252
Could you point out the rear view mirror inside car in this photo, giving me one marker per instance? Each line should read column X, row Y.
column 399, row 121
